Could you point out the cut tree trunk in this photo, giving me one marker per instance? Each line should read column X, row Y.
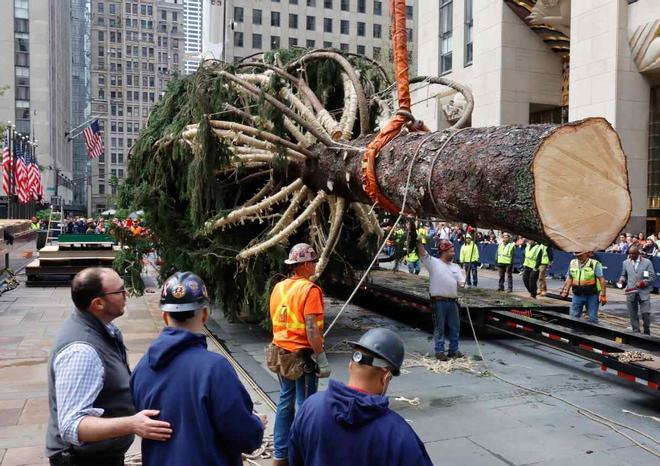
column 565, row 186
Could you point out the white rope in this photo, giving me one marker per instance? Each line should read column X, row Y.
column 599, row 418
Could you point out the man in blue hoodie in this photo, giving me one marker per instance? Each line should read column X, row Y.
column 196, row 391
column 352, row 424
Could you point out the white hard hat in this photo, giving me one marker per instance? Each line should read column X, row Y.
column 301, row 252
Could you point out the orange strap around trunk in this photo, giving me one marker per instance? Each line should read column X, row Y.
column 393, row 127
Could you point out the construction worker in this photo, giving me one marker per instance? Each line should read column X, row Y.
column 34, row 224
column 638, row 275
column 444, row 279
column 352, row 424
column 412, row 259
column 546, row 260
column 531, row 265
column 197, row 391
column 586, row 280
column 296, row 353
column 469, row 257
column 504, row 260
column 423, row 234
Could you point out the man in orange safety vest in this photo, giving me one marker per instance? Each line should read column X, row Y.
column 296, row 353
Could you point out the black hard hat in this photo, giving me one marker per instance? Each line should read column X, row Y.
column 384, row 344
column 183, row 291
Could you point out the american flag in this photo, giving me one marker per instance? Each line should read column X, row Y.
column 6, row 160
column 94, row 139
column 22, row 188
column 34, row 179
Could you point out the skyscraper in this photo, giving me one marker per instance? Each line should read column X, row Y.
column 192, row 27
column 136, row 47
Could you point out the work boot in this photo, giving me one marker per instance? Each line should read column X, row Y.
column 441, row 356
column 647, row 331
column 509, row 291
column 283, row 462
column 454, row 355
column 500, row 289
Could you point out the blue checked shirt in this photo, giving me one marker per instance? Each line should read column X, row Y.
column 79, row 376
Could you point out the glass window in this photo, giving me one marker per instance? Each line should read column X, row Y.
column 378, row 8
column 378, row 31
column 343, row 47
column 361, row 6
column 310, row 43
column 377, row 53
column 469, row 25
column 344, row 26
column 21, row 25
column 256, row 41
column 360, row 29
column 274, row 42
column 275, row 18
column 293, row 21
column 409, row 31
column 409, row 12
column 327, row 4
column 293, row 2
column 311, row 23
column 311, row 2
column 327, row 45
column 238, row 14
column 327, row 24
column 446, row 11
column 293, row 41
column 101, row 7
column 256, row 16
column 345, row 5
column 112, row 8
column 360, row 49
column 22, row 59
column 238, row 39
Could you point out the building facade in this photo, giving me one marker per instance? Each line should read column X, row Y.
column 537, row 61
column 234, row 29
column 192, row 27
column 136, row 47
column 35, row 77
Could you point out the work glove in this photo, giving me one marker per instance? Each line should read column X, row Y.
column 323, row 365
column 602, row 299
column 642, row 284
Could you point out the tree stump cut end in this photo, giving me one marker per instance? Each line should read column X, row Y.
column 581, row 185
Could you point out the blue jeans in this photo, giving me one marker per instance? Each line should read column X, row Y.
column 590, row 301
column 445, row 314
column 414, row 267
column 292, row 395
column 470, row 273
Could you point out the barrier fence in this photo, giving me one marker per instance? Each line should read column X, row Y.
column 612, row 262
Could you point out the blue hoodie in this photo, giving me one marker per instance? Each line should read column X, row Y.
column 200, row 395
column 342, row 426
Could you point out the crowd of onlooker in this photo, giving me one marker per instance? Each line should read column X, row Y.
column 100, row 225
column 649, row 246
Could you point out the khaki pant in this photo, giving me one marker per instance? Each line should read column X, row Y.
column 543, row 288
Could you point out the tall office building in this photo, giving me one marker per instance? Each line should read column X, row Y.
column 136, row 46
column 234, row 29
column 192, row 28
column 80, row 97
column 35, row 77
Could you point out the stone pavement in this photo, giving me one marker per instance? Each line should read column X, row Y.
column 29, row 319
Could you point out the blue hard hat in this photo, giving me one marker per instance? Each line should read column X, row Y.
column 384, row 344
column 183, row 291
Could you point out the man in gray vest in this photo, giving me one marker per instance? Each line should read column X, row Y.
column 638, row 276
column 92, row 417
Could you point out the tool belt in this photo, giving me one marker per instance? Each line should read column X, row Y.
column 290, row 364
column 584, row 290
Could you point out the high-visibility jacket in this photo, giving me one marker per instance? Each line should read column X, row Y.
column 584, row 278
column 399, row 235
column 35, row 226
column 505, row 253
column 287, row 307
column 422, row 234
column 545, row 259
column 469, row 253
column 412, row 257
column 531, row 256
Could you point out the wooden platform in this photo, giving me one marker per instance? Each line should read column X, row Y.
column 57, row 253
column 60, row 272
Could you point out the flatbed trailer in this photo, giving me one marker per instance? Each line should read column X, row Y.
column 543, row 320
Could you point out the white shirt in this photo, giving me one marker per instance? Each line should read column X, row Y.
column 443, row 233
column 444, row 278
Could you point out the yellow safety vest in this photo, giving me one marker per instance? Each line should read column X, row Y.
column 505, row 253
column 545, row 259
column 531, row 254
column 469, row 253
column 584, row 279
column 412, row 257
column 422, row 234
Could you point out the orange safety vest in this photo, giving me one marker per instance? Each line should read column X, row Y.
column 287, row 306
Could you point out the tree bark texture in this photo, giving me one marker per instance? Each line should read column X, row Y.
column 565, row 186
